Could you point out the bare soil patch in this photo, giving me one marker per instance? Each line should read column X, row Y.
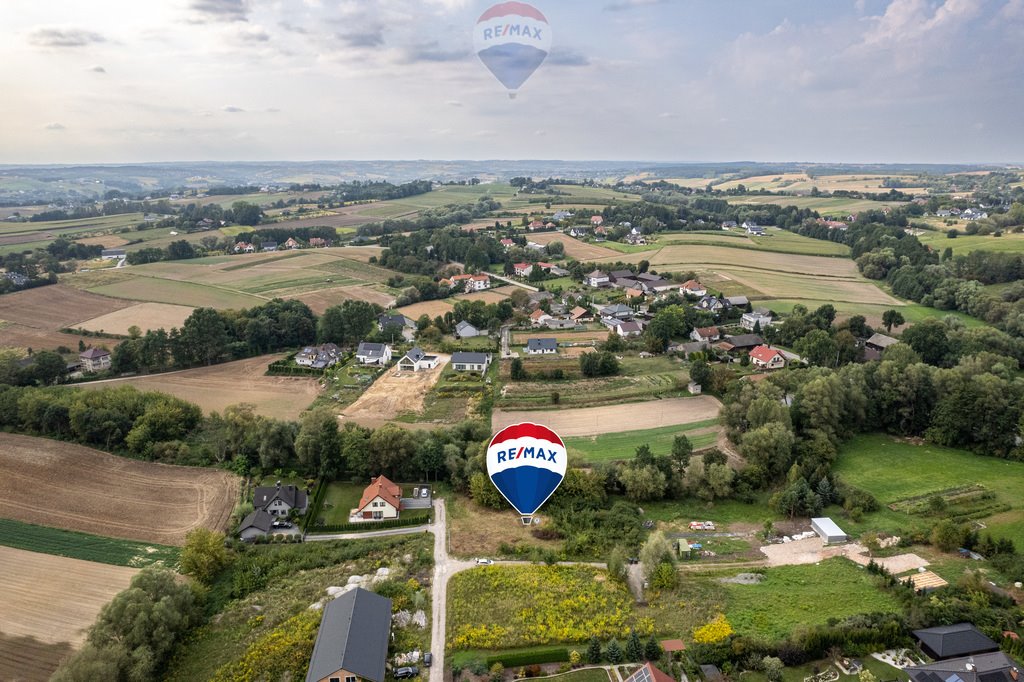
column 62, row 485
column 489, row 296
column 145, row 316
column 429, row 308
column 49, row 602
column 561, row 337
column 34, row 316
column 588, row 421
column 319, row 301
column 394, row 393
column 574, row 247
column 107, row 241
column 243, row 381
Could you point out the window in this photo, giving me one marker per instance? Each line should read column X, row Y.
column 335, row 679
column 350, row 678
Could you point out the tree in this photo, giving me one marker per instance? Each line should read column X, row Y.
column 49, row 367
column 203, row 337
column 656, row 550
column 892, row 318
column 484, row 493
column 652, row 650
column 682, row 450
column 700, row 372
column 664, row 577
column 244, row 213
column 643, row 483
column 613, row 652
column 947, row 535
column 773, row 667
column 818, row 348
column 204, row 554
column 634, row 648
column 593, row 655
column 517, row 372
column 617, row 567
column 317, row 445
column 769, row 446
column 930, row 339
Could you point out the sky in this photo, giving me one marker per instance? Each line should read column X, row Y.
column 859, row 81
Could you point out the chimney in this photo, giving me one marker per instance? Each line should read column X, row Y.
column 279, row 485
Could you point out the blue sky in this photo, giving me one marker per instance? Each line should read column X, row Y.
column 666, row 80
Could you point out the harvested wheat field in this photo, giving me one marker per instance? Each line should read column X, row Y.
column 394, row 393
column 33, row 318
column 145, row 316
column 62, row 485
column 49, row 602
column 495, row 295
column 588, row 421
column 319, row 301
column 574, row 247
column 429, row 308
column 230, row 383
column 107, row 241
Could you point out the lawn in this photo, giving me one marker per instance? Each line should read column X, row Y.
column 912, row 312
column 781, row 241
column 339, row 500
column 498, row 607
column 882, row 671
column 894, row 470
column 964, row 243
column 790, row 597
column 610, row 447
column 84, row 546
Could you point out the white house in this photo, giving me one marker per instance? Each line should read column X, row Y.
column 373, row 353
column 381, row 500
column 693, row 288
column 522, row 269
column 598, row 279
column 416, row 360
column 629, row 328
column 318, row 357
column 95, row 360
column 541, row 346
column 759, row 317
column 538, row 317
column 470, row 362
column 464, row 330
column 767, row 358
column 279, row 500
column 705, row 335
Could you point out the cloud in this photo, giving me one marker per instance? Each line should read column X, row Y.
column 98, row 69
column 272, row 110
column 432, row 52
column 622, row 5
column 64, row 37
column 55, row 126
column 233, row 109
column 564, row 56
column 219, row 10
column 454, row 103
column 668, row 114
column 292, row 28
column 253, row 35
column 371, row 37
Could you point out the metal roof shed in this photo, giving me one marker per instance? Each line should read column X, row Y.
column 828, row 530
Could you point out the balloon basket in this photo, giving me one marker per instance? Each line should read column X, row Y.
column 527, row 520
column 512, row 95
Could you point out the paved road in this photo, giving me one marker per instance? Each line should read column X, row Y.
column 515, row 282
column 371, row 534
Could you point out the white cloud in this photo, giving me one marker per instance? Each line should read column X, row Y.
column 55, row 37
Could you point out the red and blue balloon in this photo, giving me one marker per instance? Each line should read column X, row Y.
column 512, row 39
column 526, row 462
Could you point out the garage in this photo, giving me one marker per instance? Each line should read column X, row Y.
column 828, row 530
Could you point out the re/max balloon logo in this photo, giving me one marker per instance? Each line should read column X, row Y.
column 513, row 30
column 526, row 453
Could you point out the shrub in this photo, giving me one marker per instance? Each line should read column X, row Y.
column 613, row 652
column 715, row 631
column 533, row 656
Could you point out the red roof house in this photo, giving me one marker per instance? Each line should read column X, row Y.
column 767, row 357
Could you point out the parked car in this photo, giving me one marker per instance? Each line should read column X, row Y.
column 426, row 493
column 484, row 562
column 428, row 659
column 633, row 560
column 281, row 524
column 407, row 672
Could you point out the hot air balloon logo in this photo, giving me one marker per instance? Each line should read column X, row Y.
column 526, row 463
column 512, row 39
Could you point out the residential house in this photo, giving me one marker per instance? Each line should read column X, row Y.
column 767, row 357
column 615, row 275
column 618, row 311
column 546, row 267
column 753, row 228
column 600, row 234
column 596, row 220
column 465, row 330
column 705, row 335
column 292, row 244
column 268, row 246
column 759, row 318
column 974, row 214
column 876, row 345
column 561, row 215
column 687, row 349
column 577, row 232
column 318, row 357
column 737, row 301
column 522, row 269
column 256, row 524
column 728, row 224
column 112, row 254
column 989, row 667
column 279, row 500
column 317, row 242
column 648, row 673
column 598, row 279
column 373, row 353
column 636, row 239
column 417, row 360
column 507, row 243
column 385, row 320
column 381, row 500
column 538, row 317
column 692, row 287
column 470, row 362
column 244, row 247
column 953, row 641
column 559, row 323
column 711, row 304
column 558, row 272
column 538, row 297
column 536, row 225
column 541, row 346
column 479, row 282
column 743, row 342
column 352, row 642
column 550, row 226
column 943, row 213
column 95, row 359
column 629, row 328
column 579, row 315
column 627, row 283
column 657, row 285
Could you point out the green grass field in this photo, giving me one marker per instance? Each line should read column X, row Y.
column 182, row 293
column 895, row 470
column 610, row 447
column 780, row 241
column 1012, row 242
column 824, row 205
column 340, row 499
column 793, row 596
column 84, row 546
column 912, row 312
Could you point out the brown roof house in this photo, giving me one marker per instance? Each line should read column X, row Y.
column 95, row 359
column 352, row 643
column 381, row 500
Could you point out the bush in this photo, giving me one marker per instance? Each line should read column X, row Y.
column 613, row 652
column 531, row 657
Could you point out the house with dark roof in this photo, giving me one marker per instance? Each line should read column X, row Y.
column 991, row 667
column 318, row 357
column 393, row 320
column 416, row 360
column 616, row 275
column 95, row 359
column 629, row 328
column 256, row 524
column 470, row 362
column 705, row 335
column 381, row 500
column 711, row 303
column 541, row 346
column 464, row 330
column 112, row 254
column 953, row 641
column 744, row 341
column 373, row 353
column 268, row 246
column 352, row 643
column 279, row 500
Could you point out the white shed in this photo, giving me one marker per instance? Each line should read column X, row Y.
column 828, row 530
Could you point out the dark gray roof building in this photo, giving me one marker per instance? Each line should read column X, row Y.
column 541, row 344
column 353, row 637
column 744, row 340
column 954, row 641
column 371, row 350
column 992, row 667
column 466, row 358
column 289, row 494
column 258, row 519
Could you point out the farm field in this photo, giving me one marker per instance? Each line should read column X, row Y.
column 912, row 312
column 109, row 495
column 75, row 545
column 588, row 421
column 495, row 295
column 768, row 275
column 802, row 182
column 235, row 281
column 781, row 241
column 1009, row 242
column 145, row 316
column 895, row 471
column 394, row 393
column 34, row 317
column 219, row 386
column 823, row 205
column 49, row 602
column 579, row 250
column 520, row 338
column 429, row 308
column 319, row 301
column 611, row 447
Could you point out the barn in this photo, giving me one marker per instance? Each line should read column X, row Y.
column 828, row 530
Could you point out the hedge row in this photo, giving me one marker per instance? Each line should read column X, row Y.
column 372, row 525
column 520, row 658
column 314, row 509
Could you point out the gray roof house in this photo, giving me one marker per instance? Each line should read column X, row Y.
column 464, row 330
column 396, row 319
column 470, row 362
column 373, row 353
column 541, row 346
column 954, row 641
column 254, row 525
column 279, row 499
column 993, row 667
column 353, row 638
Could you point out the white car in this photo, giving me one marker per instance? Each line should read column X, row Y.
column 484, row 562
